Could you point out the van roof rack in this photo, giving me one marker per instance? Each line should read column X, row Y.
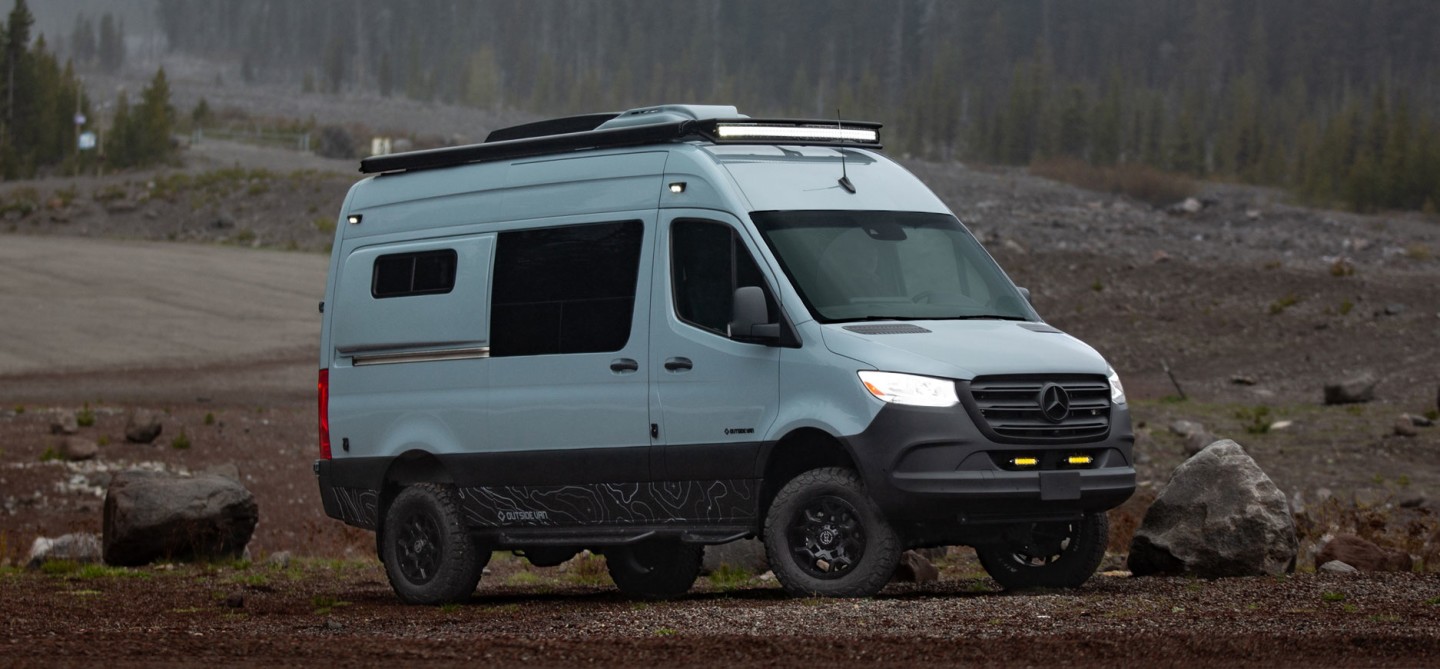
column 637, row 127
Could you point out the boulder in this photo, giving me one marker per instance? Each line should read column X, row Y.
column 747, row 554
column 79, row 448
column 1219, row 515
column 914, row 568
column 1353, row 390
column 152, row 516
column 1363, row 555
column 64, row 422
column 82, row 548
column 142, row 427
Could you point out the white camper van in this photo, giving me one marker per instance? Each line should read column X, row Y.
column 648, row 332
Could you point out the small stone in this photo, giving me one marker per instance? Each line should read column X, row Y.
column 82, row 548
column 914, row 568
column 236, row 600
column 332, row 625
column 1363, row 555
column 1159, row 256
column 1252, row 214
column 1395, row 309
column 1197, row 441
column 1405, row 428
column 1420, row 421
column 1281, row 424
column 1354, row 390
column 64, row 422
column 142, row 427
column 280, row 560
column 1338, row 567
column 76, row 449
column 1412, row 502
column 1242, row 380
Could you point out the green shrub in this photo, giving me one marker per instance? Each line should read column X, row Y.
column 180, row 442
column 85, row 417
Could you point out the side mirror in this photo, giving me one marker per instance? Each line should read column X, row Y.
column 1025, row 293
column 749, row 317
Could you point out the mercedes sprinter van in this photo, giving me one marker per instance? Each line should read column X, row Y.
column 643, row 333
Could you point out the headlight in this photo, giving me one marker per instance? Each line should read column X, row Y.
column 910, row 389
column 1117, row 391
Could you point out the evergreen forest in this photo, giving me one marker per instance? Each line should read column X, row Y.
column 1337, row 100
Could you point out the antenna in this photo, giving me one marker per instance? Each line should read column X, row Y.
column 844, row 173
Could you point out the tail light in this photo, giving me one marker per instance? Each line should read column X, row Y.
column 324, row 388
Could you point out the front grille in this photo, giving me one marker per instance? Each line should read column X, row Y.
column 1010, row 408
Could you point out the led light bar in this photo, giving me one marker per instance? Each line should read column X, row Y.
column 1024, row 462
column 1080, row 460
column 804, row 133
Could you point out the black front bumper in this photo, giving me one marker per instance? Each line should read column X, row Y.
column 934, row 464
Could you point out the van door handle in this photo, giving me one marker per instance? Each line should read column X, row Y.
column 624, row 366
column 679, row 365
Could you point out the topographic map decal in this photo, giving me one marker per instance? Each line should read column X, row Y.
column 611, row 503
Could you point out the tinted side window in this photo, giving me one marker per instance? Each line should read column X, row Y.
column 708, row 262
column 424, row 273
column 564, row 290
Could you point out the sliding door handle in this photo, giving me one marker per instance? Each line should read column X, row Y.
column 624, row 366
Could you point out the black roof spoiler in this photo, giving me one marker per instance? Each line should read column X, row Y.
column 522, row 142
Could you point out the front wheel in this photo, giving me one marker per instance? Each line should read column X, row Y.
column 428, row 553
column 1047, row 555
column 654, row 569
column 825, row 537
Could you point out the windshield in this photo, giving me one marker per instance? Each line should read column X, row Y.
column 887, row 265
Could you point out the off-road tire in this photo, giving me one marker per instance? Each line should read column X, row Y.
column 825, row 537
column 429, row 556
column 654, row 569
column 1068, row 567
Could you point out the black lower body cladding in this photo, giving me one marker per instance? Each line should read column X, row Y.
column 918, row 464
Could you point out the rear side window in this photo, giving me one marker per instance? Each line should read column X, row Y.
column 423, row 273
column 564, row 290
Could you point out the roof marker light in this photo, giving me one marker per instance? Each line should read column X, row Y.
column 355, row 219
column 677, row 187
column 755, row 131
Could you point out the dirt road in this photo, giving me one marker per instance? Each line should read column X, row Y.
column 72, row 304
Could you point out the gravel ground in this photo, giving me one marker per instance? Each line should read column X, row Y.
column 321, row 611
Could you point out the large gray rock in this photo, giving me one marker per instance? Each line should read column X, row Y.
column 1353, row 390
column 1219, row 515
column 747, row 554
column 142, row 427
column 151, row 516
column 81, row 548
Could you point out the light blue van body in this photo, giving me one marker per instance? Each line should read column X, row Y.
column 681, row 431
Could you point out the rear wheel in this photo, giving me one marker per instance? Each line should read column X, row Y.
column 825, row 537
column 429, row 556
column 1047, row 555
column 654, row 569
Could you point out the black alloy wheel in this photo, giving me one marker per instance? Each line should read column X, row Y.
column 1047, row 555
column 429, row 555
column 825, row 537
